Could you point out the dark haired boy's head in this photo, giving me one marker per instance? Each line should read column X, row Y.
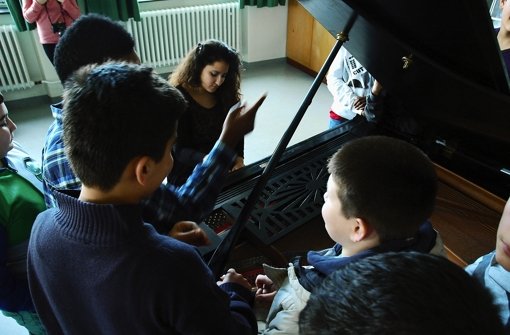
column 400, row 293
column 92, row 39
column 117, row 112
column 387, row 182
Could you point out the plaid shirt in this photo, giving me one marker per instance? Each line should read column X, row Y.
column 168, row 204
column 57, row 172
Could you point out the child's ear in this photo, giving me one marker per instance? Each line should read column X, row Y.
column 143, row 169
column 361, row 230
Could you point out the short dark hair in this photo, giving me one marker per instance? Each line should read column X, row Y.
column 400, row 293
column 206, row 53
column 390, row 183
column 113, row 113
column 92, row 38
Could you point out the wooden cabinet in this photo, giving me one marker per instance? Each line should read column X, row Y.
column 308, row 42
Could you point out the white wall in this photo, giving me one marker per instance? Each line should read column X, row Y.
column 263, row 34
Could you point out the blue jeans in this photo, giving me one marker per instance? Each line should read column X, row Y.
column 335, row 123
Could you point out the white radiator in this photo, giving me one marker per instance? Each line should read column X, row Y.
column 164, row 37
column 13, row 69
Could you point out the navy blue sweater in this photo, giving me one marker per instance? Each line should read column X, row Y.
column 98, row 269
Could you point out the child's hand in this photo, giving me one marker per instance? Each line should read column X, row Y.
column 233, row 277
column 239, row 163
column 265, row 289
column 360, row 103
column 189, row 232
column 239, row 122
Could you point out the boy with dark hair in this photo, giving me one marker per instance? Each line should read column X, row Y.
column 380, row 193
column 21, row 200
column 400, row 293
column 95, row 39
column 94, row 266
column 91, row 39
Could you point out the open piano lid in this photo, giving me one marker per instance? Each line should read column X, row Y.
column 456, row 85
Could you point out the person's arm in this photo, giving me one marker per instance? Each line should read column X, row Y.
column 239, row 162
column 195, row 199
column 240, row 293
column 283, row 316
column 14, row 293
column 374, row 106
column 206, row 308
column 71, row 8
column 266, row 289
column 32, row 10
column 189, row 232
column 337, row 81
column 56, row 170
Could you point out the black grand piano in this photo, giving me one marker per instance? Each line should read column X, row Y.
column 440, row 63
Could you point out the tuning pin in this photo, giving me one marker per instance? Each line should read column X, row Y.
column 408, row 61
column 342, row 36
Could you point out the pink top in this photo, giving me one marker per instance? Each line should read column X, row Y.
column 67, row 12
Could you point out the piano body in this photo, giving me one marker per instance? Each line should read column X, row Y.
column 440, row 61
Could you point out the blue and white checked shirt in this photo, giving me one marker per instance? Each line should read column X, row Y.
column 169, row 204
